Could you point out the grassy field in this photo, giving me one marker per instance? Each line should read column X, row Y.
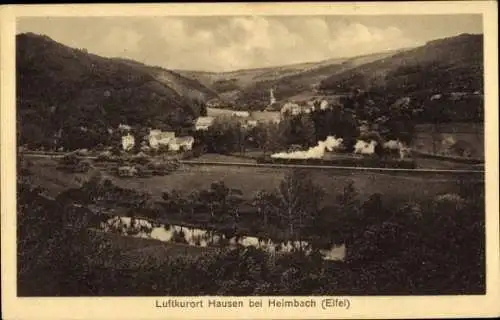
column 219, row 112
column 394, row 186
column 213, row 157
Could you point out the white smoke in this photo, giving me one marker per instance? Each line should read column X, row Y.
column 317, row 152
column 363, row 147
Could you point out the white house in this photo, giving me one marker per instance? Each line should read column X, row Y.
column 252, row 123
column 203, row 123
column 159, row 138
column 241, row 114
column 292, row 108
column 181, row 143
column 128, row 142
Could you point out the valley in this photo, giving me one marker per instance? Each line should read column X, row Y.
column 168, row 181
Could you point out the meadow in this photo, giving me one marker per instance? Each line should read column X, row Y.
column 394, row 186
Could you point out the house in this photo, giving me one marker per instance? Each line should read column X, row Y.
column 251, row 123
column 128, row 142
column 159, row 138
column 181, row 143
column 241, row 114
column 203, row 123
column 291, row 108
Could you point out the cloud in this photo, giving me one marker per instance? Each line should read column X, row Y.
column 121, row 41
column 224, row 43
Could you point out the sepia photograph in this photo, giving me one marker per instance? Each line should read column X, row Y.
column 249, row 155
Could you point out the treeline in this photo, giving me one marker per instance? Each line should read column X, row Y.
column 357, row 118
column 418, row 248
column 369, row 116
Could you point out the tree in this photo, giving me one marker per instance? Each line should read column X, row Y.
column 349, row 222
column 296, row 202
column 278, row 136
column 233, row 202
column 193, row 202
column 261, row 136
column 264, row 201
column 216, row 197
column 223, row 136
column 306, row 131
column 175, row 201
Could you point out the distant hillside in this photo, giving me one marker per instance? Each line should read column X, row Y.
column 60, row 87
column 303, row 84
column 252, row 86
column 185, row 86
column 440, row 66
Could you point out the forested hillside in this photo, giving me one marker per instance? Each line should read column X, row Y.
column 68, row 91
column 441, row 66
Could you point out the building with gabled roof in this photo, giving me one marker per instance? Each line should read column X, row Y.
column 159, row 138
column 203, row 123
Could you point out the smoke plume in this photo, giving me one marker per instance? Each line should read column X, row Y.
column 317, row 152
column 363, row 147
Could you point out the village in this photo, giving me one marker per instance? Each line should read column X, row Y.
column 167, row 140
column 231, row 136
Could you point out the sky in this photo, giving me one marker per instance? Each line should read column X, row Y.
column 226, row 43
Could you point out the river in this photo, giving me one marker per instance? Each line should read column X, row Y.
column 203, row 238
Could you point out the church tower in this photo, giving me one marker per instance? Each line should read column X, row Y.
column 272, row 99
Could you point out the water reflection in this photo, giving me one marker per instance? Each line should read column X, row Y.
column 203, row 238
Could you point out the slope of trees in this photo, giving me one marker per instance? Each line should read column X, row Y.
column 442, row 67
column 445, row 65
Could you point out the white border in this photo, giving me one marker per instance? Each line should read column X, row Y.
column 138, row 307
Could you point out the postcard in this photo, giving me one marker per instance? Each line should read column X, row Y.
column 250, row 160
